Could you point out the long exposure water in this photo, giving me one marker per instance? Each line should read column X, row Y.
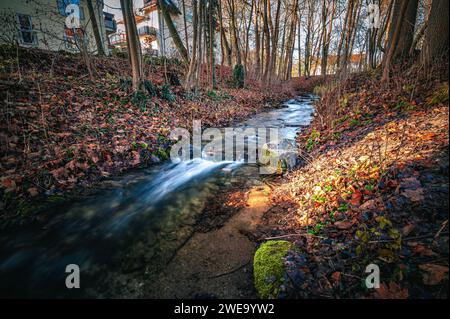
column 133, row 223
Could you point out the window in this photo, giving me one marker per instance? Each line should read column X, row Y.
column 81, row 13
column 61, row 7
column 189, row 17
column 26, row 33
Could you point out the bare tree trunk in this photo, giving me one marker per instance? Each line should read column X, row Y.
column 247, row 36
column 192, row 65
column 406, row 36
column 173, row 32
column 436, row 37
column 393, row 43
column 275, row 34
column 308, row 40
column 232, row 7
column 282, row 62
column 326, row 38
column 134, row 47
column 223, row 37
column 98, row 38
column 186, row 37
column 267, row 40
column 212, row 63
column 257, row 41
column 299, row 47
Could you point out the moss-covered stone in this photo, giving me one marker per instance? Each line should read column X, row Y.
column 269, row 268
column 439, row 96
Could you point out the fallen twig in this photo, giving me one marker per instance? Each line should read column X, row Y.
column 291, row 235
column 406, row 239
column 230, row 272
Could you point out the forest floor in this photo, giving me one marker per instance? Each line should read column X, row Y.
column 373, row 189
column 62, row 132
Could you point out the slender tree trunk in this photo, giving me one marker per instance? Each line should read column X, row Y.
column 173, row 32
column 193, row 63
column 257, row 41
column 247, row 36
column 234, row 28
column 275, row 34
column 406, row 36
column 223, row 37
column 212, row 63
column 393, row 43
column 186, row 37
column 95, row 29
column 299, row 46
column 308, row 39
column 267, row 40
column 282, row 62
column 134, row 46
column 436, row 37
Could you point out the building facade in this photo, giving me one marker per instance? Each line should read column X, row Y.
column 42, row 24
column 153, row 33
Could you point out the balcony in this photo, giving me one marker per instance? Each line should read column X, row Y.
column 117, row 39
column 150, row 5
column 110, row 26
column 110, row 23
column 147, row 31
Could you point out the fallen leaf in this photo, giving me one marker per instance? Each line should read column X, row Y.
column 336, row 276
column 408, row 229
column 414, row 195
column 434, row 274
column 423, row 251
column 33, row 191
column 343, row 225
column 356, row 198
column 393, row 291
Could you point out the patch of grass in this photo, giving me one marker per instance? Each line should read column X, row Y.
column 149, row 87
column 166, row 93
column 343, row 208
column 313, row 140
column 404, row 105
column 217, row 96
column 340, row 120
column 325, row 88
column 318, row 199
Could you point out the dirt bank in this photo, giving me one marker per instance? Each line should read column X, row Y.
column 216, row 263
column 373, row 189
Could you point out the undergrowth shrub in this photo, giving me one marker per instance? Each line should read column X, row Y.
column 238, row 76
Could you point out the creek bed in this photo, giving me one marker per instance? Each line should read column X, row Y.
column 130, row 230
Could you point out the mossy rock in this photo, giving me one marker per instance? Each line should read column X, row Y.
column 439, row 96
column 269, row 268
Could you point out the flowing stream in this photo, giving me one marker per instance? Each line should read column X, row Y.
column 132, row 226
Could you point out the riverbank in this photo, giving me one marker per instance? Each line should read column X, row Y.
column 373, row 190
column 61, row 132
